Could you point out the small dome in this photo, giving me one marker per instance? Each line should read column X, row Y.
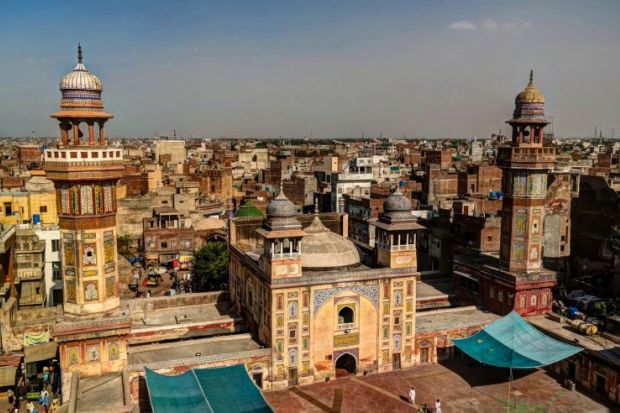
column 530, row 94
column 281, row 206
column 248, row 210
column 397, row 202
column 80, row 79
column 324, row 249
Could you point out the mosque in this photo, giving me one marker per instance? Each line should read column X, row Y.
column 323, row 308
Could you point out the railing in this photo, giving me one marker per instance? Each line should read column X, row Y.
column 526, row 154
column 346, row 326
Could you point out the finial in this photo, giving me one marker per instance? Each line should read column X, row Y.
column 316, row 206
column 79, row 53
column 531, row 75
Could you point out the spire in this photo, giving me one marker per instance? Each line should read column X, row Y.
column 531, row 76
column 79, row 53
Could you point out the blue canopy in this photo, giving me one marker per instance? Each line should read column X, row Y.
column 211, row 390
column 513, row 342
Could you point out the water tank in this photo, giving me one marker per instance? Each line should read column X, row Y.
column 36, row 219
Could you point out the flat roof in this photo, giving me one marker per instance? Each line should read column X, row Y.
column 153, row 353
column 187, row 314
column 432, row 288
column 453, row 318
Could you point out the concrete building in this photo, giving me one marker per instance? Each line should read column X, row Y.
column 355, row 178
column 170, row 151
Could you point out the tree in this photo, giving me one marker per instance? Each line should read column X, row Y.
column 210, row 267
column 614, row 240
column 123, row 244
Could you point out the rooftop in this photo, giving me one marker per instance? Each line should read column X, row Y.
column 181, row 350
column 453, row 318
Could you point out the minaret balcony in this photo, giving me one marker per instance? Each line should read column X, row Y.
column 526, row 157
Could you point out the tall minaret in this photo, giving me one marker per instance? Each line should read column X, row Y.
column 85, row 172
column 525, row 165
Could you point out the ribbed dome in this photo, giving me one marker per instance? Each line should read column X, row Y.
column 281, row 206
column 80, row 79
column 397, row 202
column 530, row 94
column 324, row 249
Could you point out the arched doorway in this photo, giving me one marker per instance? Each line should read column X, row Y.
column 345, row 365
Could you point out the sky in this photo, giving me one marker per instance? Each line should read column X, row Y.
column 263, row 68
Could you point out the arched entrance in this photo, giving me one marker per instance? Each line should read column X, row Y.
column 345, row 365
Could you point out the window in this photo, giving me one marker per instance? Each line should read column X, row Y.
column 38, row 290
column 43, row 208
column 8, row 209
column 164, row 245
column 489, row 238
column 397, row 320
column 55, row 245
column 57, row 274
column 345, row 315
column 292, row 333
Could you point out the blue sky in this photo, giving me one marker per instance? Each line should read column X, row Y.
column 338, row 68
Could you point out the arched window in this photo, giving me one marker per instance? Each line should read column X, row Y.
column 345, row 315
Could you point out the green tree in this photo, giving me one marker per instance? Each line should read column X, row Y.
column 123, row 243
column 614, row 240
column 210, row 267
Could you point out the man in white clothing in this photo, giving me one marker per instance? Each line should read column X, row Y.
column 438, row 406
column 412, row 395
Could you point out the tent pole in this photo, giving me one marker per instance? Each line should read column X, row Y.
column 509, row 388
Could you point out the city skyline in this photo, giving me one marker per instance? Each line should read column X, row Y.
column 425, row 69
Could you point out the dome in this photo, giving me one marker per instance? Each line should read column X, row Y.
column 324, row 249
column 80, row 79
column 281, row 206
column 248, row 210
column 397, row 202
column 530, row 94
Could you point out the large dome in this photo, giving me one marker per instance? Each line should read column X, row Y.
column 530, row 94
column 397, row 202
column 324, row 249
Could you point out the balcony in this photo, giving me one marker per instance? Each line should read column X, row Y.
column 346, row 326
column 526, row 157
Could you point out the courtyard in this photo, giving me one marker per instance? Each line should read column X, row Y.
column 463, row 387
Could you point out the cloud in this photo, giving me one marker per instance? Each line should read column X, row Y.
column 462, row 25
column 490, row 24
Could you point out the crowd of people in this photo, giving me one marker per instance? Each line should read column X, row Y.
column 38, row 395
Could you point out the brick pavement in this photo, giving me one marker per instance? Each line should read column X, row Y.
column 462, row 387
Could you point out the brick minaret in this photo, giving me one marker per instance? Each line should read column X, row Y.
column 525, row 165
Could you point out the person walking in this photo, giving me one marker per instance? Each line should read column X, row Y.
column 412, row 395
column 438, row 406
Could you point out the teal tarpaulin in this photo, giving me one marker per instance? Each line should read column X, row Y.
column 211, row 390
column 513, row 342
column 180, row 393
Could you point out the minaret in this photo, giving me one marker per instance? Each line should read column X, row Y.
column 395, row 236
column 282, row 235
column 85, row 172
column 525, row 165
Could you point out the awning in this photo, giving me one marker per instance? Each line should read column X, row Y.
column 212, row 390
column 512, row 342
column 7, row 376
column 40, row 352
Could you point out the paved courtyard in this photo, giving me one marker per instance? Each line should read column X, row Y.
column 461, row 388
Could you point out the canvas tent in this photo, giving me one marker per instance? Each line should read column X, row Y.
column 513, row 343
column 210, row 390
